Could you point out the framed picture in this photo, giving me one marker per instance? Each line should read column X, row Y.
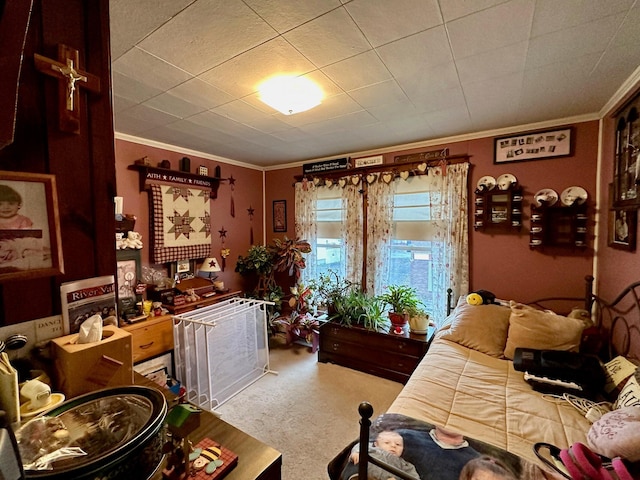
column 30, row 242
column 129, row 272
column 279, row 215
column 534, row 145
column 622, row 229
column 182, row 269
column 626, row 173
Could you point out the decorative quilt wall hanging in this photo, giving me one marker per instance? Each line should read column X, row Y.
column 181, row 223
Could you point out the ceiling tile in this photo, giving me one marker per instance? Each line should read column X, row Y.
column 247, row 71
column 510, row 23
column 359, row 71
column 131, row 89
column 493, row 63
column 173, row 105
column 208, row 33
column 452, row 9
column 200, row 93
column 577, row 41
column 379, row 94
column 131, row 21
column 551, row 15
column 329, row 38
column 137, row 64
column 413, row 55
column 383, row 21
column 284, row 15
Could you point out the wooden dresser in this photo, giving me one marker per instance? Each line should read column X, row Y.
column 385, row 355
column 151, row 337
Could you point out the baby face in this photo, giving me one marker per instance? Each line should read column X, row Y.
column 392, row 442
column 8, row 209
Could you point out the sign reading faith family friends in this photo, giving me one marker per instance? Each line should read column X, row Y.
column 326, row 166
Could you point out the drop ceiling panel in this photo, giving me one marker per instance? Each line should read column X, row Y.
column 383, row 21
column 196, row 45
column 185, row 72
column 329, row 38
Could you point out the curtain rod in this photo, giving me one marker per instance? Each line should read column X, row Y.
column 386, row 167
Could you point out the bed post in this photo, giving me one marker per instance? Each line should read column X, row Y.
column 449, row 301
column 588, row 293
column 366, row 411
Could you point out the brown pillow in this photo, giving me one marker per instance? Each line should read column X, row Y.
column 541, row 330
column 479, row 327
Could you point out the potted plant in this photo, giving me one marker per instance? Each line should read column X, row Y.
column 329, row 287
column 356, row 308
column 419, row 321
column 402, row 299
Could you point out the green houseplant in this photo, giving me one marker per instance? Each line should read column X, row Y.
column 328, row 288
column 402, row 299
column 356, row 308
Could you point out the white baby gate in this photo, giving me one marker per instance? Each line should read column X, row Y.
column 221, row 349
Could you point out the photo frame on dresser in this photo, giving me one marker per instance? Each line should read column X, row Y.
column 30, row 240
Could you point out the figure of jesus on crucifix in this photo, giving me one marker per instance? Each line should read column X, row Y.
column 70, row 77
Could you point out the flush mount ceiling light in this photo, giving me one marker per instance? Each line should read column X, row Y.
column 290, row 95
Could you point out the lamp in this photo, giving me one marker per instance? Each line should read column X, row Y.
column 209, row 266
column 290, row 95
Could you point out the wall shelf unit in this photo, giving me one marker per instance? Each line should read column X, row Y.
column 496, row 208
column 154, row 174
column 558, row 226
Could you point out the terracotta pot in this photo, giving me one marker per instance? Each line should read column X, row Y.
column 398, row 319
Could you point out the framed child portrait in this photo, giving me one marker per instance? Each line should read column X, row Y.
column 622, row 229
column 30, row 241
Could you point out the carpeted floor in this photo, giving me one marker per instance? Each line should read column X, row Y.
column 308, row 411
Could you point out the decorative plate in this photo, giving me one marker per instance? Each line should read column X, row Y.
column 506, row 180
column 573, row 196
column 546, row 195
column 486, row 183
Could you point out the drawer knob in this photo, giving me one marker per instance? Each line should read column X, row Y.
column 146, row 345
column 335, row 346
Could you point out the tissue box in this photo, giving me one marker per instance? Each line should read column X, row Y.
column 86, row 367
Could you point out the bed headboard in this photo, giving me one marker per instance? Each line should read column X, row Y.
column 620, row 320
column 617, row 320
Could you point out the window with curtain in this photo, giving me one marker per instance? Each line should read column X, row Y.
column 416, row 233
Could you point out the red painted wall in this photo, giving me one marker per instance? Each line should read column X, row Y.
column 503, row 262
column 499, row 262
column 246, row 193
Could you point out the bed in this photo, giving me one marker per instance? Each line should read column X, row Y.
column 467, row 384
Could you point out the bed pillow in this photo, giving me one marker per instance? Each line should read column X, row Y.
column 617, row 434
column 479, row 327
column 541, row 330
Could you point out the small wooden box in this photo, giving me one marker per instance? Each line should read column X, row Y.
column 86, row 367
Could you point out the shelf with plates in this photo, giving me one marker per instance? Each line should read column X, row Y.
column 559, row 220
column 498, row 203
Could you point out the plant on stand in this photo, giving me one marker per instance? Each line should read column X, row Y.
column 328, row 288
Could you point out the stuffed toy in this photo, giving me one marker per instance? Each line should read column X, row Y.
column 481, row 297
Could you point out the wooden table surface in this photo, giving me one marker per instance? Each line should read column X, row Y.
column 256, row 460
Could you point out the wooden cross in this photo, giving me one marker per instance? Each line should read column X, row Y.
column 70, row 78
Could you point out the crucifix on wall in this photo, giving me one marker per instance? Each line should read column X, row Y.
column 70, row 78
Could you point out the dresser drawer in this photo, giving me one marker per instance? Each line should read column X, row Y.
column 363, row 353
column 386, row 342
column 150, row 338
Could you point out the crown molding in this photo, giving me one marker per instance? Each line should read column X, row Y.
column 183, row 151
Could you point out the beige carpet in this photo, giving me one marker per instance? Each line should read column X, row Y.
column 309, row 411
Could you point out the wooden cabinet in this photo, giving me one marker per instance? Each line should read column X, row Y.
column 382, row 354
column 558, row 226
column 498, row 208
column 151, row 337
